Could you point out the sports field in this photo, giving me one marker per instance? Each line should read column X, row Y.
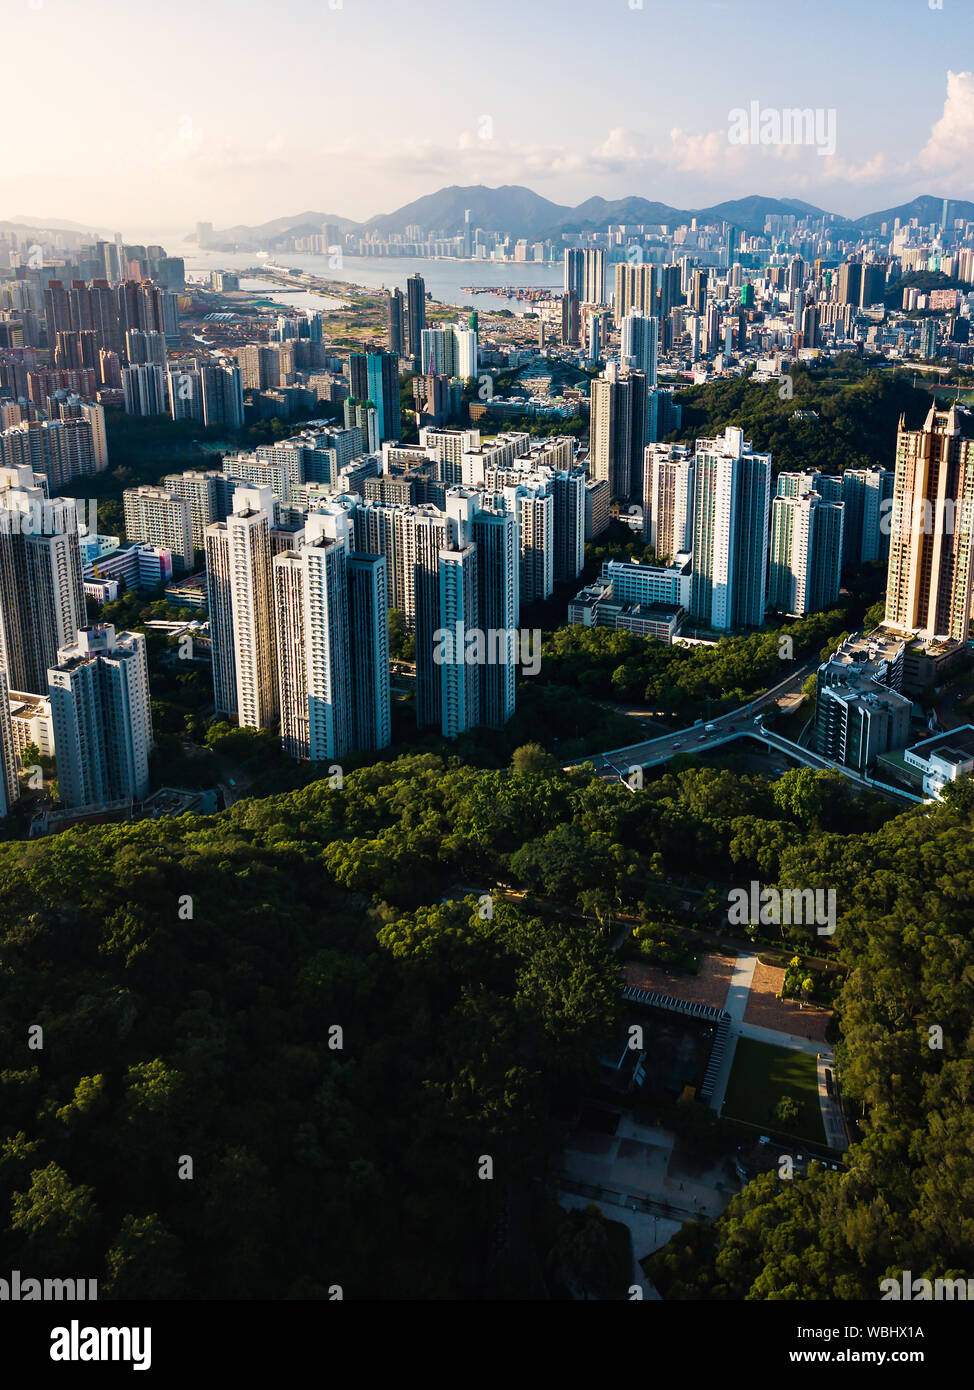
column 761, row 1075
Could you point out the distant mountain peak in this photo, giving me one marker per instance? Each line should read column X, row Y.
column 519, row 212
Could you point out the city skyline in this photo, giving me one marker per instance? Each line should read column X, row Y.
column 190, row 149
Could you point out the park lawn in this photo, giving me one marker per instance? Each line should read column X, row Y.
column 761, row 1075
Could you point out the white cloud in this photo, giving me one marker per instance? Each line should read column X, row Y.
column 252, row 173
column 950, row 148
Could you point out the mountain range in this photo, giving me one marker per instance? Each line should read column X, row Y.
column 520, row 212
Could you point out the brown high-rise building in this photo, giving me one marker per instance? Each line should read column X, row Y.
column 79, row 349
column 872, row 286
column 850, row 282
column 635, row 288
column 929, row 584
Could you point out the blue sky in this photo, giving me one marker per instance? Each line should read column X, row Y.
column 141, row 115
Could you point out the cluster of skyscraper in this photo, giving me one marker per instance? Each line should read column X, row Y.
column 96, row 680
column 710, row 512
column 454, row 533
column 736, row 298
column 407, row 321
column 298, row 626
column 65, row 341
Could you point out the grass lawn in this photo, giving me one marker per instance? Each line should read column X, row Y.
column 761, row 1075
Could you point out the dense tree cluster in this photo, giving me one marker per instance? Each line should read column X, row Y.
column 906, row 933
column 924, row 281
column 599, row 661
column 856, row 414
column 211, row 1037
column 189, row 977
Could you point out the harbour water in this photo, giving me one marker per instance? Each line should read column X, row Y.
column 444, row 278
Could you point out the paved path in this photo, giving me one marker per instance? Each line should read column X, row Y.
column 835, row 1130
column 740, row 986
column 797, row 1042
column 736, row 1005
column 648, row 1232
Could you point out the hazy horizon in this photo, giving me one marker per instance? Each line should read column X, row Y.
column 570, row 101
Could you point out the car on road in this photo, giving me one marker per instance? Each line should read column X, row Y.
column 710, row 728
column 732, row 728
column 701, row 737
column 678, row 745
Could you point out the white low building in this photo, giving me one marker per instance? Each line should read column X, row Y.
column 942, row 758
column 30, row 718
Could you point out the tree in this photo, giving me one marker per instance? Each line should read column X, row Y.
column 874, row 616
column 531, row 757
column 801, row 793
column 56, row 1218
column 402, row 643
column 144, row 1261
column 786, row 1111
column 598, row 903
column 582, row 1256
column 959, row 794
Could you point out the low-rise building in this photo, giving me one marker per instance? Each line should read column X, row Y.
column 189, row 592
column 142, row 567
column 647, row 600
column 942, row 758
column 30, row 719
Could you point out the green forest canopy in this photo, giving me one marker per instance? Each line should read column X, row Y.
column 205, row 1028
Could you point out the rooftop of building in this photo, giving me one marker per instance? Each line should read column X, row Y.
column 860, row 689
column 654, row 612
column 151, row 491
column 919, row 644
column 954, row 745
column 872, row 648
column 680, row 564
column 188, row 581
column 24, row 705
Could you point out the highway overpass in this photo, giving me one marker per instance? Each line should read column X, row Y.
column 745, row 722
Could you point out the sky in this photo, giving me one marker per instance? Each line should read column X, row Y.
column 146, row 117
